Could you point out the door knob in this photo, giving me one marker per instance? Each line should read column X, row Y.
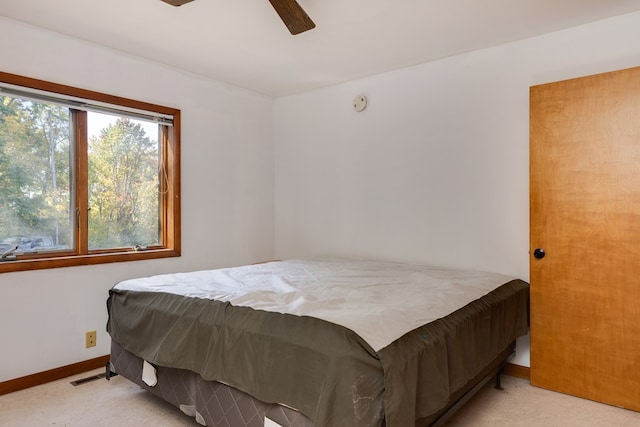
column 539, row 253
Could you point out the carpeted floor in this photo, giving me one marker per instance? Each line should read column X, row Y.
column 120, row 403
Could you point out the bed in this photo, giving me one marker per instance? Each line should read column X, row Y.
column 322, row 342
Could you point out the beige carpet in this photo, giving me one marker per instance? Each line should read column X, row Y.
column 120, row 403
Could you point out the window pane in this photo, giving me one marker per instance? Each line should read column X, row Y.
column 124, row 195
column 35, row 196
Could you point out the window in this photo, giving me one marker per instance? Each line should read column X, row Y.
column 85, row 177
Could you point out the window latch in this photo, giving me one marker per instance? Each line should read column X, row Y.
column 8, row 254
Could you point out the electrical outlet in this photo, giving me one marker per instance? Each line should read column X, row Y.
column 90, row 339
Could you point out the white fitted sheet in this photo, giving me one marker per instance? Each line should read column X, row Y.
column 380, row 301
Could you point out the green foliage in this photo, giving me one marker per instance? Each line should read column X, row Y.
column 123, row 187
column 35, row 177
column 34, row 168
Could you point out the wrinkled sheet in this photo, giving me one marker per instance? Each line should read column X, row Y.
column 324, row 369
column 380, row 301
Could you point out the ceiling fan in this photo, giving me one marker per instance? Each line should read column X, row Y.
column 291, row 13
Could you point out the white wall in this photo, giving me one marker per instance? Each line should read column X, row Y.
column 435, row 170
column 227, row 194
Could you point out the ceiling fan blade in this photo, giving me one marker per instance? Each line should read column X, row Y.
column 293, row 16
column 177, row 2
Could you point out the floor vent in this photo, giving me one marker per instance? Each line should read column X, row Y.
column 87, row 379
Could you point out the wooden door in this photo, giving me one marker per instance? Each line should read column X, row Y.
column 585, row 215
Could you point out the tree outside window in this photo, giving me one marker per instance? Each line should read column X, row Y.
column 80, row 186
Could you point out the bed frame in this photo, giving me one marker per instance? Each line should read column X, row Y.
column 215, row 404
column 420, row 379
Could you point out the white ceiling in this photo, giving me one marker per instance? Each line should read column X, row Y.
column 244, row 43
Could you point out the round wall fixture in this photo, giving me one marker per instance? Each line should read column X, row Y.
column 360, row 103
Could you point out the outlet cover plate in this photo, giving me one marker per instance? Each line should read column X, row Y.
column 90, row 339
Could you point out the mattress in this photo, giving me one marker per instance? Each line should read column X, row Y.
column 285, row 338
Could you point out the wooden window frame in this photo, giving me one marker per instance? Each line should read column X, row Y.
column 170, row 186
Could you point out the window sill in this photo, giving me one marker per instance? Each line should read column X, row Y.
column 90, row 259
